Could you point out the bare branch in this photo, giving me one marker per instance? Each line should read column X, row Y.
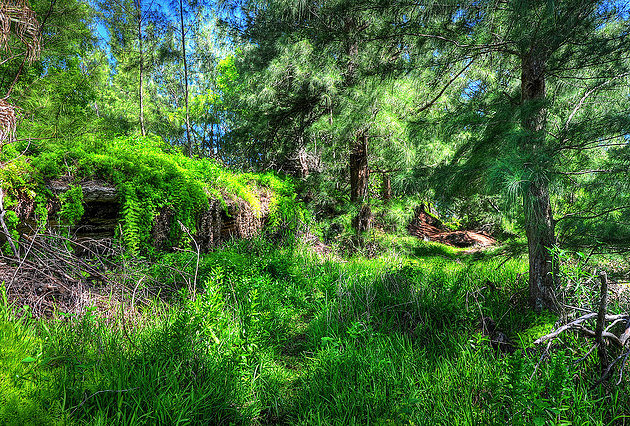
column 18, row 18
column 446, row 86
column 8, row 122
column 599, row 328
column 576, row 324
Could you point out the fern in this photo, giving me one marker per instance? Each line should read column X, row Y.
column 152, row 175
column 71, row 206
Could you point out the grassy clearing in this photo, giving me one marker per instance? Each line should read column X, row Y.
column 279, row 335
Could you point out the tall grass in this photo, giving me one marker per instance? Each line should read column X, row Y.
column 280, row 335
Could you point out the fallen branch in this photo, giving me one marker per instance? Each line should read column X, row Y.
column 605, row 334
column 599, row 327
column 601, row 334
column 608, row 369
column 574, row 323
column 625, row 336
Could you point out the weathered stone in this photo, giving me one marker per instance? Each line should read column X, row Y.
column 233, row 218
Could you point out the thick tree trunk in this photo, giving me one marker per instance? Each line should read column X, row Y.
column 359, row 171
column 539, row 221
column 540, row 238
column 189, row 146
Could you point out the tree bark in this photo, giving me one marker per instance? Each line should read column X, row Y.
column 540, row 238
column 539, row 223
column 183, row 36
column 359, row 171
column 386, row 187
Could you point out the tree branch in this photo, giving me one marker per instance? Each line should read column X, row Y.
column 439, row 95
column 574, row 215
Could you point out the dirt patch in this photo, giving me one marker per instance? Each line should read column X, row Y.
column 316, row 244
column 464, row 239
column 429, row 228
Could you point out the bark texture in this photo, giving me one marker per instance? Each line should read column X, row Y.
column 536, row 201
column 359, row 170
column 386, row 187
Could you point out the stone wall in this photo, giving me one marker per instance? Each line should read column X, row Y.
column 234, row 218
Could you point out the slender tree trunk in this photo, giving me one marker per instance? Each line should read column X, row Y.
column 359, row 170
column 539, row 223
column 211, row 147
column 386, row 187
column 183, row 35
column 141, row 54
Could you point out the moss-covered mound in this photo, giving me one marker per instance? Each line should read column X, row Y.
column 141, row 190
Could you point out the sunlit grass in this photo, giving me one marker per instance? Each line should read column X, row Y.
column 282, row 335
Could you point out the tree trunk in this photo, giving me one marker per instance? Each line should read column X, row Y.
column 363, row 221
column 359, row 171
column 540, row 238
column 539, row 223
column 386, row 187
column 189, row 146
column 141, row 55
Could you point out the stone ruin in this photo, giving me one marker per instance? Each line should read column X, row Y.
column 232, row 218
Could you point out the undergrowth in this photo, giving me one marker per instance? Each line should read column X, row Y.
column 281, row 335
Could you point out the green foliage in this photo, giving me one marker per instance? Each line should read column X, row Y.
column 151, row 177
column 71, row 206
column 11, row 220
column 21, row 401
column 275, row 333
column 281, row 335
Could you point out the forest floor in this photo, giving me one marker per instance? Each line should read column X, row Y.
column 265, row 333
column 429, row 228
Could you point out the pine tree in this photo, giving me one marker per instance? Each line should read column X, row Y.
column 136, row 30
column 546, row 64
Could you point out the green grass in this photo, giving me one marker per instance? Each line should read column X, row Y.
column 278, row 335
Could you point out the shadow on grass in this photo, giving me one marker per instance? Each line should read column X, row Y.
column 279, row 336
column 88, row 370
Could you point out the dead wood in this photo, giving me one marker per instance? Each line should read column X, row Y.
column 51, row 278
column 601, row 333
column 429, row 228
column 575, row 325
column 599, row 327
